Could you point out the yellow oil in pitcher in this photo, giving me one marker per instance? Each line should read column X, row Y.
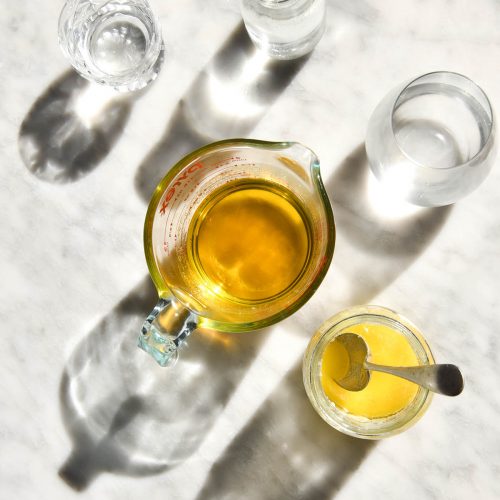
column 249, row 240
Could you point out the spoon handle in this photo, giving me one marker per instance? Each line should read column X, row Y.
column 444, row 379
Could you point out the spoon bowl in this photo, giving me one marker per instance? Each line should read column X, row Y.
column 443, row 379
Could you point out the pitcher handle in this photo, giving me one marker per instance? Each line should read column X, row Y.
column 165, row 329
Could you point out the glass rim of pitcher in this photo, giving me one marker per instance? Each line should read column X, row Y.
column 163, row 288
column 489, row 110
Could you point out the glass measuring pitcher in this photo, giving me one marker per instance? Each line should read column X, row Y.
column 238, row 235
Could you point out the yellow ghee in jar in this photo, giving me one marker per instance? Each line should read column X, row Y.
column 385, row 394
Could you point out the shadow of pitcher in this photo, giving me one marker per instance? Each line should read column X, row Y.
column 127, row 415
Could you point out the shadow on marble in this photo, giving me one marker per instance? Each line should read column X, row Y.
column 285, row 451
column 71, row 128
column 377, row 237
column 227, row 99
column 125, row 414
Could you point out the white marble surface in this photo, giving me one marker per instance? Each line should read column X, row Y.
column 234, row 422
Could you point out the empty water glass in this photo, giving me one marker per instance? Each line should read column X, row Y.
column 432, row 141
column 284, row 29
column 113, row 42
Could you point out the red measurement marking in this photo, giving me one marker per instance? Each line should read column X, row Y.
column 165, row 243
column 185, row 175
column 178, row 182
column 167, row 198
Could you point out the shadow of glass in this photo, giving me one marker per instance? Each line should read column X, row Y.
column 127, row 415
column 71, row 127
column 377, row 237
column 285, row 451
column 227, row 99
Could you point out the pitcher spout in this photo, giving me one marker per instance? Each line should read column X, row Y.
column 304, row 163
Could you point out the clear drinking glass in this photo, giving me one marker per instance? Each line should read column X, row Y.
column 284, row 29
column 112, row 42
column 432, row 141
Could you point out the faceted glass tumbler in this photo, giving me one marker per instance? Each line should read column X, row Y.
column 112, row 42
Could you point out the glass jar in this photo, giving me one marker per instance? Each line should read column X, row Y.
column 341, row 419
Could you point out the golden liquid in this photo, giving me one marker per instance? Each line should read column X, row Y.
column 385, row 394
column 249, row 240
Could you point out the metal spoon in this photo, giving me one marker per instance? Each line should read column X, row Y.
column 444, row 378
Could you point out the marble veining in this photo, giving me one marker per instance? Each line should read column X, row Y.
column 84, row 413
